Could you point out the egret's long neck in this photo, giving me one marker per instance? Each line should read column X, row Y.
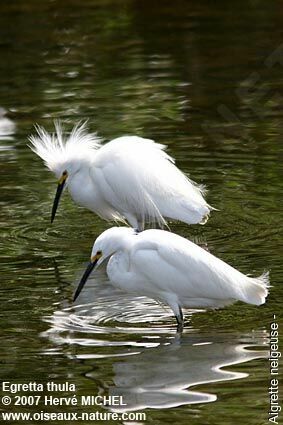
column 81, row 186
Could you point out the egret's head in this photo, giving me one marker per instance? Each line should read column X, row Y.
column 109, row 242
column 65, row 156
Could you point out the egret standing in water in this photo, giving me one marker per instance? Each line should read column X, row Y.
column 129, row 178
column 170, row 269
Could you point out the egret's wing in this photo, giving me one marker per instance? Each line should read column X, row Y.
column 177, row 265
column 165, row 276
column 146, row 182
column 126, row 176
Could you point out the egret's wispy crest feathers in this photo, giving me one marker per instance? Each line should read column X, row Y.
column 56, row 148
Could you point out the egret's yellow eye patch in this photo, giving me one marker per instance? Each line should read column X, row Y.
column 96, row 256
column 63, row 177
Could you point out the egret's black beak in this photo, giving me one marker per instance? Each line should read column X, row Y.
column 59, row 191
column 85, row 277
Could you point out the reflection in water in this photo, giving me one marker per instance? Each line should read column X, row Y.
column 160, row 377
column 7, row 126
column 154, row 369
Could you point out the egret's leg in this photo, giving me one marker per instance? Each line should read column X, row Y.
column 180, row 320
column 140, row 226
column 132, row 220
column 173, row 302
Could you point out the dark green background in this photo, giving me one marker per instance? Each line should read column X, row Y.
column 204, row 78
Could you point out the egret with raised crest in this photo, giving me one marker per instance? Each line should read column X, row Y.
column 127, row 179
column 172, row 270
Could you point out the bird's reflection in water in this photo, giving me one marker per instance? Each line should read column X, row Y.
column 150, row 367
column 7, row 126
column 162, row 377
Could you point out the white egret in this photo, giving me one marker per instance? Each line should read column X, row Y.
column 170, row 269
column 129, row 178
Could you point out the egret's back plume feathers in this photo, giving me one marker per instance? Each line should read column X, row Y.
column 56, row 148
column 256, row 289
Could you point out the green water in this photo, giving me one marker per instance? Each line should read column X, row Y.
column 204, row 78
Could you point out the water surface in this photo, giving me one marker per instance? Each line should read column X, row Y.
column 204, row 79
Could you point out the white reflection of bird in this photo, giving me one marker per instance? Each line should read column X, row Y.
column 168, row 268
column 169, row 375
column 128, row 178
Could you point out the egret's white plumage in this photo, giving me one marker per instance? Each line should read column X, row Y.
column 128, row 178
column 173, row 270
